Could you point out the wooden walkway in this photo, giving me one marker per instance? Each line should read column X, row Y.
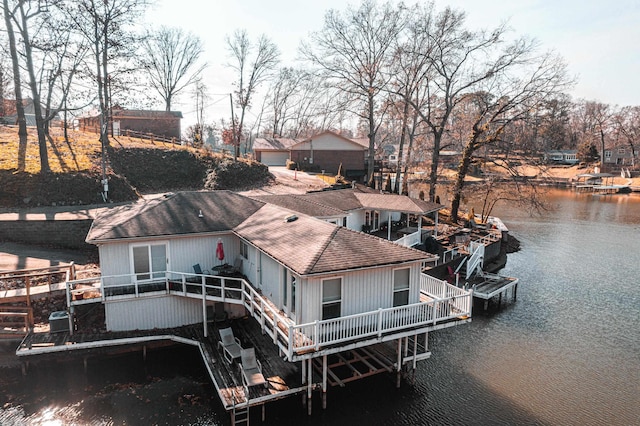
column 284, row 378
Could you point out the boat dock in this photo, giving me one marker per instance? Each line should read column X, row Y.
column 487, row 286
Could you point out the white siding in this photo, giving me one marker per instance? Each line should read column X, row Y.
column 147, row 313
column 250, row 266
column 355, row 220
column 182, row 254
column 271, row 284
column 362, row 291
column 186, row 252
column 114, row 259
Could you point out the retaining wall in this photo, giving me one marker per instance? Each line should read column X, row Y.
column 59, row 233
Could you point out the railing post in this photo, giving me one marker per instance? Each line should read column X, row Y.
column 291, row 338
column 316, row 334
column 379, row 322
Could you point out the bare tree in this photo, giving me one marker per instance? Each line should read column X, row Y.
column 17, row 85
column 352, row 51
column 23, row 13
column 170, row 59
column 282, row 98
column 627, row 126
column 253, row 63
column 506, row 97
column 105, row 26
column 455, row 63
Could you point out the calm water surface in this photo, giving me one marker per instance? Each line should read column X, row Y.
column 567, row 352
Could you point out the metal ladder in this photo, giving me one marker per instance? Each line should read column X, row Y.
column 240, row 412
column 240, row 415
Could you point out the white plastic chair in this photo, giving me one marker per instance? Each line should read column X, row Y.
column 231, row 348
column 251, row 369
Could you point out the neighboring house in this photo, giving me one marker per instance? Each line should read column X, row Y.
column 620, row 156
column 10, row 116
column 273, row 151
column 158, row 123
column 325, row 151
column 562, row 156
column 358, row 208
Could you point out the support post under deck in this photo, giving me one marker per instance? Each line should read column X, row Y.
column 399, row 363
column 324, row 382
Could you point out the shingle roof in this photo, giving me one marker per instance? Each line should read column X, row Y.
column 174, row 214
column 396, row 202
column 302, row 204
column 273, row 144
column 350, row 199
column 310, row 246
column 305, row 245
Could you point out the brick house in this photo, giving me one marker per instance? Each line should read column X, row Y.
column 324, row 151
column 158, row 123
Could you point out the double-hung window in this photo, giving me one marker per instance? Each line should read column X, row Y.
column 331, row 298
column 149, row 261
column 401, row 287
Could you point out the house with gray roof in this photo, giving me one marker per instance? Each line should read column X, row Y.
column 289, row 260
column 304, row 291
column 362, row 209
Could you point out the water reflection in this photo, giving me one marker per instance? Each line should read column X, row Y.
column 565, row 353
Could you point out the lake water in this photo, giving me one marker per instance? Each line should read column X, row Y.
column 567, row 352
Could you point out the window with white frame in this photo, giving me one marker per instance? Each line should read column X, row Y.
column 244, row 249
column 149, row 261
column 621, row 151
column 331, row 298
column 401, row 287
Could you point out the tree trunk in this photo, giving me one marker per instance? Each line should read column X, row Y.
column 463, row 169
column 17, row 84
column 403, row 135
column 42, row 140
column 372, row 144
column 435, row 160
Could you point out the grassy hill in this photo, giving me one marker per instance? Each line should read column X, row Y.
column 135, row 167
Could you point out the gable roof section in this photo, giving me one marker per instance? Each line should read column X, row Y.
column 342, row 199
column 345, row 200
column 302, row 204
column 327, row 133
column 310, row 246
column 395, row 202
column 273, row 144
column 175, row 214
column 140, row 113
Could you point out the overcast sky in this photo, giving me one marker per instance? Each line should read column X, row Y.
column 598, row 39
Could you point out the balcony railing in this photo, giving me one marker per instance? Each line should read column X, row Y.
column 444, row 302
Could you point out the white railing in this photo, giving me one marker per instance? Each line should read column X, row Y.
column 446, row 302
column 410, row 240
column 477, row 258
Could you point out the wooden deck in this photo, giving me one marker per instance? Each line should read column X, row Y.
column 284, row 378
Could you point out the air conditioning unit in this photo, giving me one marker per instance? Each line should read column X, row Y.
column 58, row 322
